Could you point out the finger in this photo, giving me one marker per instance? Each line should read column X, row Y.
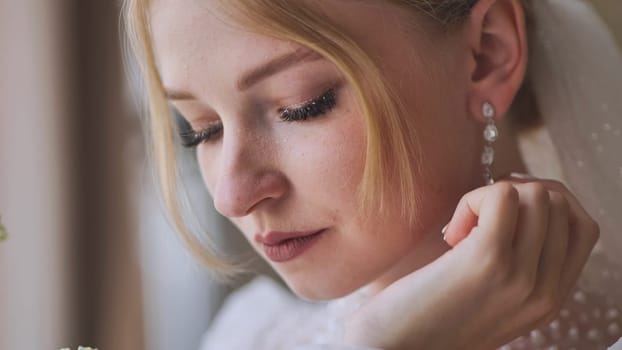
column 581, row 240
column 545, row 299
column 555, row 247
column 583, row 233
column 577, row 211
column 494, row 209
column 532, row 227
column 548, row 296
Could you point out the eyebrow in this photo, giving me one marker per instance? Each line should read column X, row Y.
column 276, row 65
column 259, row 73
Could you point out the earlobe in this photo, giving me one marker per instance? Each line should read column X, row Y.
column 498, row 44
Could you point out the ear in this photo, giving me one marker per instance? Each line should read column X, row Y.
column 498, row 52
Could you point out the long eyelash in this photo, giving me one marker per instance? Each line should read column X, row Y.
column 191, row 138
column 311, row 109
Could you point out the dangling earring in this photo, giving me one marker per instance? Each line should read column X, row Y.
column 490, row 136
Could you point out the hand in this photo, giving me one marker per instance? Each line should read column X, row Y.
column 519, row 248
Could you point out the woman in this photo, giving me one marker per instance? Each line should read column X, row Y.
column 341, row 137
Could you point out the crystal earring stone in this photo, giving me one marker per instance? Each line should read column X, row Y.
column 488, row 110
column 488, row 156
column 491, row 134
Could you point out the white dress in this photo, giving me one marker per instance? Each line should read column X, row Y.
column 264, row 316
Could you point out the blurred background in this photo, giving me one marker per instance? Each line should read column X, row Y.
column 90, row 258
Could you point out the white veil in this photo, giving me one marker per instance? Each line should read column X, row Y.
column 576, row 76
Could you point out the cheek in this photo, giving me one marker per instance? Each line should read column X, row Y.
column 207, row 159
column 329, row 159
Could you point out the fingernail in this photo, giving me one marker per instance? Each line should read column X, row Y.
column 523, row 176
column 444, row 230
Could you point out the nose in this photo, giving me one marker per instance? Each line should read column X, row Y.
column 248, row 176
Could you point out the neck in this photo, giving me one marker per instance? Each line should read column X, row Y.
column 427, row 250
column 507, row 160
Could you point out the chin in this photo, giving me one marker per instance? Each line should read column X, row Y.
column 321, row 288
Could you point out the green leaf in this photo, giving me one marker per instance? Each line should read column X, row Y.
column 3, row 234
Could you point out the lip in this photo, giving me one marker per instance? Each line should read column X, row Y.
column 285, row 246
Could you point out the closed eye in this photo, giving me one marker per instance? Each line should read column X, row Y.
column 191, row 138
column 310, row 109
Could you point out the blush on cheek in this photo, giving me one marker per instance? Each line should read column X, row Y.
column 333, row 160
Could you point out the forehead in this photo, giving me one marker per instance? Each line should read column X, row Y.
column 196, row 34
column 196, row 41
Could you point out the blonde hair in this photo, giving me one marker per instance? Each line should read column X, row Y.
column 393, row 159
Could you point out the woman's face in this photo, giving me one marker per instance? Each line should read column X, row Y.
column 284, row 142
